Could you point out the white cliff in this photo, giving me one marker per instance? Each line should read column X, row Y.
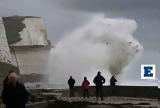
column 21, row 33
column 5, row 55
column 34, row 33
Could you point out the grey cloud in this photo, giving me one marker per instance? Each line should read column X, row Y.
column 110, row 5
column 57, row 20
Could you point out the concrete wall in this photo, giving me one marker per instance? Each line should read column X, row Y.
column 126, row 91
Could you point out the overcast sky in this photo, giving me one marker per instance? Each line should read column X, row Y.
column 63, row 16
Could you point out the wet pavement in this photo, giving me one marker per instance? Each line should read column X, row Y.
column 114, row 102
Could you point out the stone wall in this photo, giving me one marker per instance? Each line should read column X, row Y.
column 124, row 91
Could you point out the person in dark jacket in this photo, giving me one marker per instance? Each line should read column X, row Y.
column 85, row 86
column 15, row 94
column 113, row 81
column 6, row 82
column 71, row 83
column 99, row 80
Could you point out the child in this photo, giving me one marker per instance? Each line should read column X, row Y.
column 85, row 86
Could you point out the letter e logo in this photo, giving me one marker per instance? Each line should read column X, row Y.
column 148, row 71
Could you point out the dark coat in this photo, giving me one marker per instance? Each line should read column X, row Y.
column 113, row 81
column 71, row 83
column 5, row 82
column 99, row 80
column 15, row 97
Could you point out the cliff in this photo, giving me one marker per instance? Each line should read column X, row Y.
column 5, row 56
column 25, row 31
column 24, row 45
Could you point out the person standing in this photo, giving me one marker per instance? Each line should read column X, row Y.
column 99, row 80
column 14, row 95
column 113, row 81
column 71, row 83
column 85, row 86
column 113, row 85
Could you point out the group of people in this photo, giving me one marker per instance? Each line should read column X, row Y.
column 14, row 94
column 98, row 80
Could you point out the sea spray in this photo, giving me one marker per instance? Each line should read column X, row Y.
column 105, row 44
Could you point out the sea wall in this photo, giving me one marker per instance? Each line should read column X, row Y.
column 124, row 91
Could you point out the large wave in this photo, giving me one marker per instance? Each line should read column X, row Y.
column 105, row 44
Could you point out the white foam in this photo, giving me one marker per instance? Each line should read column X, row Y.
column 105, row 44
